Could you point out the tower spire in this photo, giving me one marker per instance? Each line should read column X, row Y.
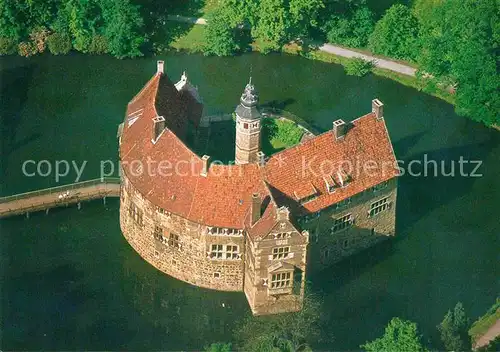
column 248, row 126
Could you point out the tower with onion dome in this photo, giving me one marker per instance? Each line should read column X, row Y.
column 248, row 126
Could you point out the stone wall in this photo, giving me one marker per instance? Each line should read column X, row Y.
column 327, row 247
column 260, row 267
column 186, row 257
column 247, row 140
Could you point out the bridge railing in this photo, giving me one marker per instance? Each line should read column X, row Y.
column 61, row 189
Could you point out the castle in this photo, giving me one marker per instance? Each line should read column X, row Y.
column 260, row 225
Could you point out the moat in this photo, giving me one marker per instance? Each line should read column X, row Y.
column 70, row 280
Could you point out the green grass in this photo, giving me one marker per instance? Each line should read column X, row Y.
column 482, row 325
column 192, row 39
column 279, row 134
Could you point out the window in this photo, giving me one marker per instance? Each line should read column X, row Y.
column 173, row 241
column 342, row 223
column 343, row 203
column 281, row 252
column 245, row 125
column 346, row 243
column 217, row 275
column 379, row 206
column 135, row 213
column 158, row 234
column 281, row 280
column 231, row 252
column 282, row 235
column 220, row 251
column 326, row 253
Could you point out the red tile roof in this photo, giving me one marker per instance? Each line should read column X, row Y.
column 364, row 154
column 170, row 175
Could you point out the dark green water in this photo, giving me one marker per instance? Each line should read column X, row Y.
column 70, row 281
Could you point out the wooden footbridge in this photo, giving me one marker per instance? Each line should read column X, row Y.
column 45, row 199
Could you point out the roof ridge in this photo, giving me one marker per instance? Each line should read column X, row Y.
column 138, row 95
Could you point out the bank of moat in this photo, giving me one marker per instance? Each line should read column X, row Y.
column 260, row 225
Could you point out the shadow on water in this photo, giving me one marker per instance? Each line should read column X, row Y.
column 14, row 84
column 428, row 174
column 278, row 104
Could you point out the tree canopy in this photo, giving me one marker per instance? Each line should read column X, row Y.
column 85, row 22
column 454, row 330
column 396, row 34
column 400, row 335
column 460, row 44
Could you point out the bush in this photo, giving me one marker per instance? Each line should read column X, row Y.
column 358, row 67
column 287, row 132
column 39, row 37
column 59, row 43
column 99, row 45
column 8, row 46
column 27, row 49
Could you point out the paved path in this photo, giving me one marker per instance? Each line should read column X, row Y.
column 490, row 335
column 382, row 63
column 185, row 19
column 328, row 48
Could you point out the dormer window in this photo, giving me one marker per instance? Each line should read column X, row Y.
column 343, row 179
column 306, row 194
column 329, row 184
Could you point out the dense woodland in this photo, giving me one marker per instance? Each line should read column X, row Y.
column 455, row 43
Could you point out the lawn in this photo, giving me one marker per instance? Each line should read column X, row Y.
column 279, row 134
column 192, row 38
column 486, row 321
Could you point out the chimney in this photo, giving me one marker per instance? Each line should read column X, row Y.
column 378, row 109
column 206, row 165
column 339, row 129
column 283, row 213
column 158, row 127
column 160, row 65
column 261, row 158
column 256, row 205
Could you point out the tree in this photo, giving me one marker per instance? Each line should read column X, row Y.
column 400, row 335
column 10, row 19
column 277, row 22
column 123, row 28
column 219, row 347
column 352, row 31
column 286, row 332
column 220, row 37
column 82, row 19
column 59, row 43
column 396, row 34
column 460, row 41
column 454, row 330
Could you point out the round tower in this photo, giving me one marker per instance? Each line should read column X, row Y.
column 248, row 126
